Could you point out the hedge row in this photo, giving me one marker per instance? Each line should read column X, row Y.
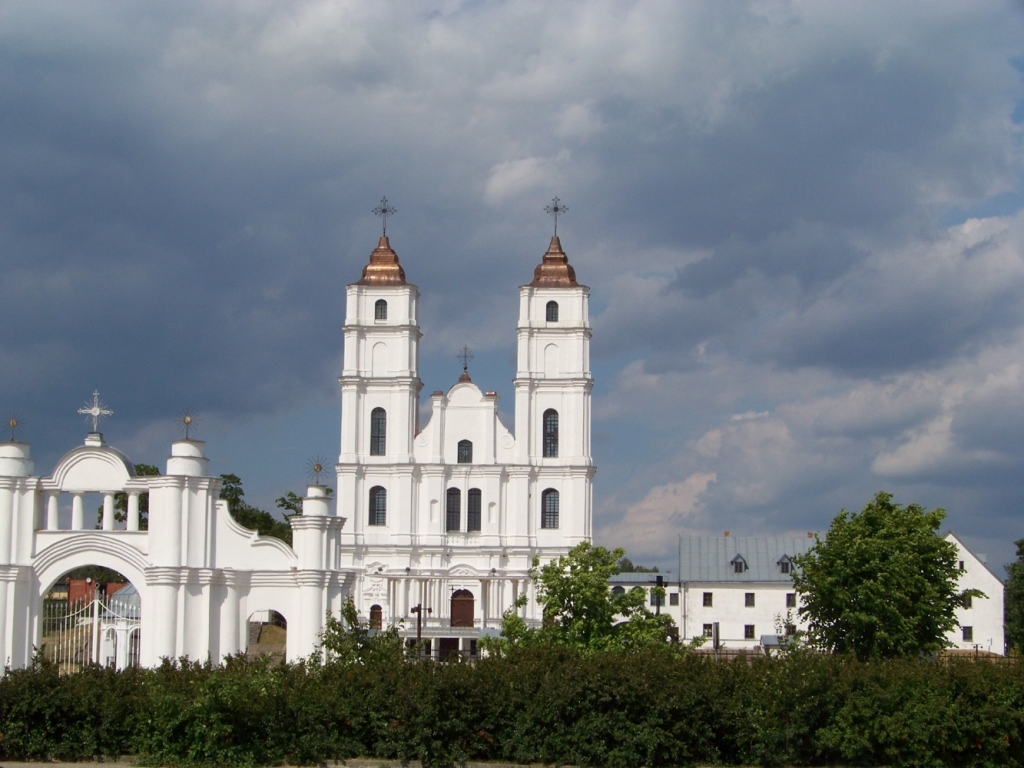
column 552, row 705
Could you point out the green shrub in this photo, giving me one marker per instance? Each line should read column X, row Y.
column 548, row 704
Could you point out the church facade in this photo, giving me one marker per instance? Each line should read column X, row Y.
column 432, row 530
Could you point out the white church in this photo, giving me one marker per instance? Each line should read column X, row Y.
column 437, row 525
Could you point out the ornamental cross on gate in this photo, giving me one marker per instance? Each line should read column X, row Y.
column 95, row 411
column 466, row 357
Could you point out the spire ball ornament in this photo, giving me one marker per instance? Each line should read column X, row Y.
column 13, row 426
column 316, row 469
column 95, row 411
column 384, row 210
column 187, row 421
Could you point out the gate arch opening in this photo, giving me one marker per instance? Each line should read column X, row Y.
column 268, row 635
column 91, row 615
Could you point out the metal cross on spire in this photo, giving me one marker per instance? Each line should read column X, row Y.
column 384, row 210
column 95, row 411
column 554, row 209
column 466, row 357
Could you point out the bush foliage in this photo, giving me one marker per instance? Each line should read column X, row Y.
column 543, row 704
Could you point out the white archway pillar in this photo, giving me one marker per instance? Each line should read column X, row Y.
column 52, row 509
column 133, row 511
column 77, row 517
column 230, row 617
column 108, row 512
column 163, row 583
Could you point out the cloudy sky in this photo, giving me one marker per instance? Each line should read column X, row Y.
column 802, row 224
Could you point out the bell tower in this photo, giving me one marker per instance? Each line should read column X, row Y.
column 553, row 392
column 380, row 388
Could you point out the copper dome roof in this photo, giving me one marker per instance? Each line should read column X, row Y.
column 383, row 268
column 554, row 271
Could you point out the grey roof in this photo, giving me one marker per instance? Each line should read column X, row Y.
column 643, row 578
column 710, row 558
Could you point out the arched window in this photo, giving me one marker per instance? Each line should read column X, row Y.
column 376, row 617
column 552, row 312
column 550, row 433
column 549, row 509
column 378, row 432
column 380, row 310
column 465, row 452
column 618, row 591
column 453, row 510
column 378, row 506
column 462, row 608
column 473, row 516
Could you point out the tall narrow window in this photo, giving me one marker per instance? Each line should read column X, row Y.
column 552, row 312
column 465, row 452
column 473, row 517
column 378, row 506
column 380, row 310
column 453, row 510
column 378, row 432
column 549, row 508
column 376, row 617
column 550, row 433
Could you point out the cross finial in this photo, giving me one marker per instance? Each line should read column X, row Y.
column 95, row 411
column 384, row 210
column 465, row 356
column 554, row 209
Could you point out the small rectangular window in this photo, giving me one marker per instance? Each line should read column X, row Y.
column 784, row 566
column 673, row 598
column 708, row 630
column 748, row 600
column 656, row 599
column 968, row 602
column 739, row 566
column 968, row 634
column 790, row 630
column 707, row 599
column 748, row 631
column 791, row 599
column 962, row 565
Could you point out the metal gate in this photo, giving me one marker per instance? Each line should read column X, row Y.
column 94, row 630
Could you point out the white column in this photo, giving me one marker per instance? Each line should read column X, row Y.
column 52, row 501
column 76, row 512
column 108, row 512
column 229, row 620
column 6, row 523
column 133, row 511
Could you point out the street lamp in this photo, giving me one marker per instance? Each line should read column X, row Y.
column 418, row 610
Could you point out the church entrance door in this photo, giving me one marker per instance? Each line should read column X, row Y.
column 462, row 608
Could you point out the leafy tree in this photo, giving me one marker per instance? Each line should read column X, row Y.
column 579, row 609
column 121, row 501
column 628, row 566
column 347, row 641
column 1013, row 600
column 882, row 584
column 252, row 517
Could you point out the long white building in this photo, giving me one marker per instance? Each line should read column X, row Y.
column 446, row 519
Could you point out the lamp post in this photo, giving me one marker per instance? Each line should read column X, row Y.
column 418, row 610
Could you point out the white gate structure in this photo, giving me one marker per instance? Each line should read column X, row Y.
column 93, row 630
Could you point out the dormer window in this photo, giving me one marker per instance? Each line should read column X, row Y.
column 739, row 565
column 785, row 565
column 380, row 310
column 551, row 312
column 465, row 452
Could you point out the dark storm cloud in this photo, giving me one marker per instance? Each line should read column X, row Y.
column 753, row 190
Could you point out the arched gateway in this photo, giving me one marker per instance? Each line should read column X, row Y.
column 196, row 574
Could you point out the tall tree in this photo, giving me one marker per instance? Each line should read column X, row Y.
column 251, row 517
column 1013, row 601
column 882, row 584
column 579, row 609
